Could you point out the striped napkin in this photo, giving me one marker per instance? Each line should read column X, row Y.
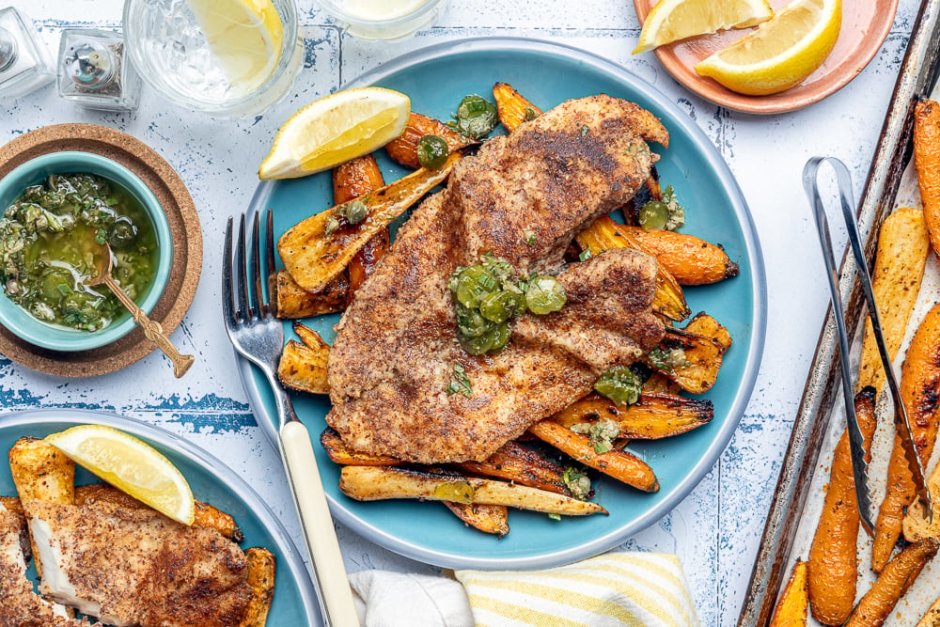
column 611, row 590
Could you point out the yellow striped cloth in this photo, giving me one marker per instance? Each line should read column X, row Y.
column 611, row 590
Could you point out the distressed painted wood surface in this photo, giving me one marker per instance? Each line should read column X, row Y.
column 716, row 529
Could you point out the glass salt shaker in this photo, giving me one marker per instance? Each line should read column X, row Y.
column 25, row 65
column 94, row 72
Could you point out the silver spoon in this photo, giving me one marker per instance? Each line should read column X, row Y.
column 104, row 263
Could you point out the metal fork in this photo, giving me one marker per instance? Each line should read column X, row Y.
column 259, row 337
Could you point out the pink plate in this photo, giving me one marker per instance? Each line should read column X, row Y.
column 864, row 28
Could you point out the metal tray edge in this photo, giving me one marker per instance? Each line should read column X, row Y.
column 918, row 72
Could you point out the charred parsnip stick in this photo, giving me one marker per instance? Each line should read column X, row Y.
column 487, row 518
column 295, row 302
column 618, row 464
column 336, row 450
column 372, row 483
column 516, row 463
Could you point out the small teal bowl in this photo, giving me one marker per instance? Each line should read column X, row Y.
column 34, row 171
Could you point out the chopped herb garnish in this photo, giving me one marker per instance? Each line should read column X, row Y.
column 585, row 255
column 620, row 384
column 577, row 482
column 584, row 130
column 667, row 360
column 529, row 238
column 460, row 383
column 530, row 114
column 555, row 516
column 101, row 237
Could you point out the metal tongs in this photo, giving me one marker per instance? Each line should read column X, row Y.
column 901, row 422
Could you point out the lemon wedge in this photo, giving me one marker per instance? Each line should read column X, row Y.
column 244, row 36
column 672, row 20
column 129, row 465
column 335, row 129
column 781, row 52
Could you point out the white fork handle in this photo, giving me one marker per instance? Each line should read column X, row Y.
column 310, row 499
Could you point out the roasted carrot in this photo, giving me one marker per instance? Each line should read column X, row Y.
column 350, row 181
column 620, row 465
column 833, row 563
column 791, row 608
column 691, row 260
column 519, row 464
column 700, row 362
column 706, row 326
column 404, row 149
column 931, row 617
column 927, row 164
column 513, row 107
column 920, row 393
column 903, row 247
column 262, row 567
column 898, row 575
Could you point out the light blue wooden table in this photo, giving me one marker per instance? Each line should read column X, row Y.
column 717, row 528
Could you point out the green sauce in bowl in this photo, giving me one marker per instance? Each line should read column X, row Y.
column 46, row 237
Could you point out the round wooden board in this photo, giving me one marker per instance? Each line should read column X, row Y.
column 169, row 189
column 865, row 25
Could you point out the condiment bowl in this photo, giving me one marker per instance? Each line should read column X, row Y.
column 60, row 338
column 381, row 19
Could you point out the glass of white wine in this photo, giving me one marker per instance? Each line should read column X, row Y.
column 223, row 57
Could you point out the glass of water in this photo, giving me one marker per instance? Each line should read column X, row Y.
column 189, row 51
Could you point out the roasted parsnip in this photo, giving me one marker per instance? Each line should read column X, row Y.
column 262, row 567
column 293, row 301
column 487, row 518
column 318, row 249
column 303, row 369
column 653, row 417
column 620, row 465
column 371, row 483
column 338, row 452
column 791, row 607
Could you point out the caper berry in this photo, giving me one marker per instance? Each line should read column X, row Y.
column 544, row 295
column 501, row 306
column 654, row 215
column 123, row 234
column 476, row 117
column 473, row 285
column 355, row 211
column 432, row 152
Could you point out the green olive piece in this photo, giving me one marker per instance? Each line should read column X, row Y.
column 432, row 152
column 501, row 337
column 476, row 117
column 473, row 284
column 654, row 215
column 501, row 306
column 494, row 339
column 545, row 295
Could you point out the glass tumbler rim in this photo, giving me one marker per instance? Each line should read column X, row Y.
column 336, row 11
column 291, row 47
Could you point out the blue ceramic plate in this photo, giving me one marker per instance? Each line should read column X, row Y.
column 436, row 79
column 211, row 481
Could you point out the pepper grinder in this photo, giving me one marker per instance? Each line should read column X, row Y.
column 25, row 65
column 94, row 72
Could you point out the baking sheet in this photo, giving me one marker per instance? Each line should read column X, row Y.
column 927, row 587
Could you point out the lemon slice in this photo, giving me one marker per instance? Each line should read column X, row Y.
column 335, row 129
column 129, row 465
column 781, row 52
column 244, row 36
column 672, row 20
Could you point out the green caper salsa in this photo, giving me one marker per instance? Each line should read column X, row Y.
column 46, row 241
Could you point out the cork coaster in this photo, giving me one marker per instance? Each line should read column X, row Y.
column 169, row 189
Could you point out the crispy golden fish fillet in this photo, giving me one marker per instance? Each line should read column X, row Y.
column 133, row 566
column 522, row 198
column 19, row 605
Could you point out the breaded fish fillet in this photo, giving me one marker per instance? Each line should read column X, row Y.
column 133, row 566
column 522, row 198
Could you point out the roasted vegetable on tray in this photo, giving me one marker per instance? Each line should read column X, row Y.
column 791, row 609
